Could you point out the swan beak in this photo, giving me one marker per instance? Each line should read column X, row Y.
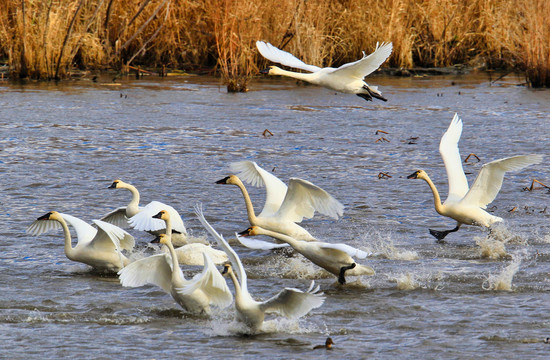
column 225, row 269
column 45, row 217
column 265, row 71
column 413, row 176
column 112, row 186
column 244, row 233
column 223, row 181
column 157, row 216
column 156, row 240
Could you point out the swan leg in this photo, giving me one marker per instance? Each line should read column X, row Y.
column 440, row 235
column 365, row 96
column 343, row 269
column 373, row 94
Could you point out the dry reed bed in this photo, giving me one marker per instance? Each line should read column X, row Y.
column 43, row 39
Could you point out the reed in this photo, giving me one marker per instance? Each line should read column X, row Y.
column 44, row 39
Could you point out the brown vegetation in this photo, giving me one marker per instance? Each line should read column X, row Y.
column 44, row 39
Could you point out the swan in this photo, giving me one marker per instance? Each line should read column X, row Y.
column 347, row 78
column 195, row 295
column 335, row 258
column 191, row 254
column 290, row 302
column 140, row 217
column 301, row 200
column 98, row 247
column 464, row 205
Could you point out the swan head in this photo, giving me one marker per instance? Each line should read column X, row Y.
column 163, row 215
column 165, row 239
column 117, row 184
column 231, row 180
column 251, row 231
column 52, row 215
column 419, row 174
column 227, row 269
column 271, row 70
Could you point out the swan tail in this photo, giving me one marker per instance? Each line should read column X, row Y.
column 374, row 93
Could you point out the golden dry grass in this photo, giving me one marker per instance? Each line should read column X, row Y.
column 46, row 38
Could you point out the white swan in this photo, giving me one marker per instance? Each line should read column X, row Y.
column 335, row 258
column 462, row 204
column 300, row 201
column 292, row 303
column 191, row 254
column 347, row 78
column 141, row 217
column 100, row 248
column 195, row 295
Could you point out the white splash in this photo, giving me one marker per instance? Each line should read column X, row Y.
column 503, row 280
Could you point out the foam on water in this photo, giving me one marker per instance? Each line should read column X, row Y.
column 502, row 281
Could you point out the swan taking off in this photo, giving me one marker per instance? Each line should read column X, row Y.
column 283, row 208
column 191, row 254
column 140, row 217
column 347, row 78
column 195, row 295
column 335, row 258
column 290, row 302
column 98, row 247
column 466, row 205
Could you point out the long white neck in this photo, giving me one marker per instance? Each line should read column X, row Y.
column 309, row 77
column 238, row 290
column 177, row 274
column 168, row 223
column 69, row 251
column 437, row 199
column 288, row 239
column 249, row 207
column 133, row 207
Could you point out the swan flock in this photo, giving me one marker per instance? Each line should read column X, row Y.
column 106, row 247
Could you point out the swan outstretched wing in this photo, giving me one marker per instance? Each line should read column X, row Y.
column 109, row 235
column 258, row 244
column 117, row 217
column 250, row 172
column 366, row 65
column 192, row 254
column 155, row 270
column 144, row 220
column 233, row 257
column 489, row 180
column 84, row 231
column 304, row 198
column 270, row 52
column 350, row 250
column 448, row 148
column 211, row 282
column 294, row 303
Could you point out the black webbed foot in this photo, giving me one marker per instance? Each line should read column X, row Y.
column 342, row 275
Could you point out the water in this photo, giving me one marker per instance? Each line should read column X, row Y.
column 62, row 145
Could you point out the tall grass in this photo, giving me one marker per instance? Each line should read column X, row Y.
column 46, row 38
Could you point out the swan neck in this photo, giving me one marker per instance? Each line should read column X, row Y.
column 287, row 239
column 133, row 206
column 296, row 75
column 69, row 251
column 168, row 224
column 238, row 290
column 176, row 272
column 437, row 199
column 249, row 207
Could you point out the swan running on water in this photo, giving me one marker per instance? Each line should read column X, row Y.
column 347, row 78
column 98, row 247
column 141, row 217
column 191, row 254
column 290, row 302
column 335, row 258
column 464, row 205
column 300, row 201
column 163, row 270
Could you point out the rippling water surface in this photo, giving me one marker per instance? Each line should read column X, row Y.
column 474, row 297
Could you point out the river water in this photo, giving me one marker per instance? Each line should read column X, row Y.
column 474, row 297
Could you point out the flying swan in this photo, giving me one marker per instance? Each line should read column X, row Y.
column 191, row 254
column 466, row 205
column 290, row 302
column 141, row 217
column 300, row 201
column 335, row 258
column 100, row 247
column 348, row 78
column 195, row 295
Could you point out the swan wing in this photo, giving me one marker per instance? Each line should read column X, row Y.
column 192, row 254
column 144, row 220
column 233, row 257
column 84, row 231
column 366, row 65
column 304, row 198
column 117, row 217
column 251, row 173
column 350, row 250
column 448, row 148
column 211, row 282
column 271, row 53
column 258, row 244
column 489, row 180
column 109, row 235
column 155, row 270
column 294, row 303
